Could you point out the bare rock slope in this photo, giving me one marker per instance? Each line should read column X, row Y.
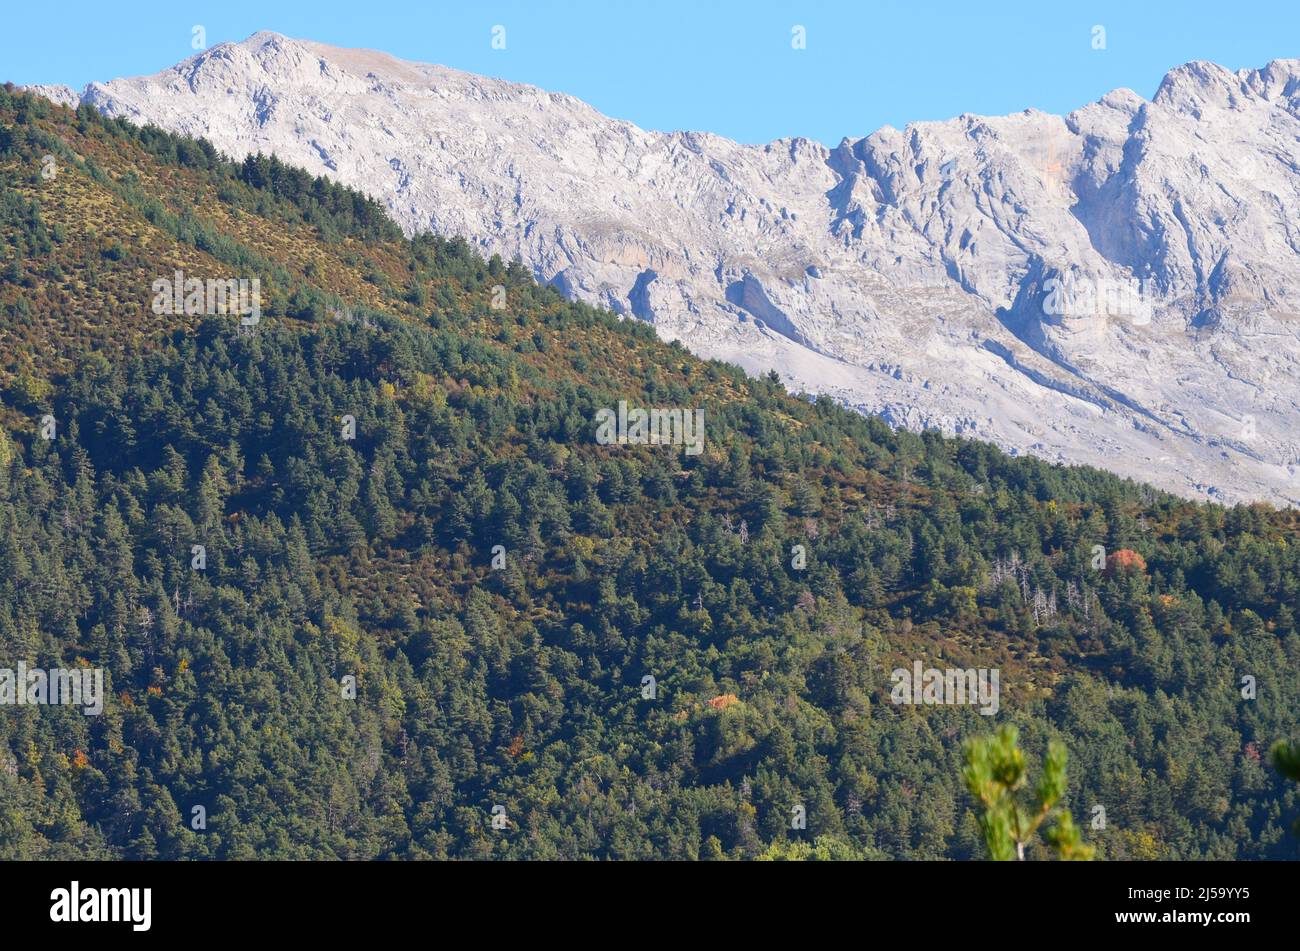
column 1118, row 287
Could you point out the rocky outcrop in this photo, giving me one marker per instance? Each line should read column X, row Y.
column 1118, row 287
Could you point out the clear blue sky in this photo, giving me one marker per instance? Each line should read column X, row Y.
column 723, row 66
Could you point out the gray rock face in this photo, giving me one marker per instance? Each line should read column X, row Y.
column 58, row 93
column 1118, row 287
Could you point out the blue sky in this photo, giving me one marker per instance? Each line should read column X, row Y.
column 716, row 65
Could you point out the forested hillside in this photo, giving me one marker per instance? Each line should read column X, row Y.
column 509, row 682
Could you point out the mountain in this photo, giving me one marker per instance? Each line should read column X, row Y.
column 1116, row 287
column 437, row 615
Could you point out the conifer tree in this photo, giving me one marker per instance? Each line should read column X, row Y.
column 1286, row 759
column 995, row 774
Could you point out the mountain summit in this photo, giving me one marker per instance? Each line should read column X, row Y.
column 1118, row 287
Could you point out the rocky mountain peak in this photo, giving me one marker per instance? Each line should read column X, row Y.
column 1119, row 286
